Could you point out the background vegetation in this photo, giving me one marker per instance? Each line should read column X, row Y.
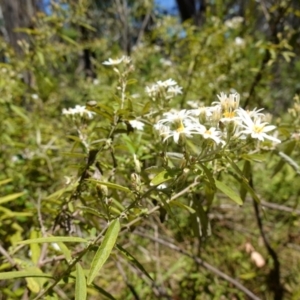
column 50, row 164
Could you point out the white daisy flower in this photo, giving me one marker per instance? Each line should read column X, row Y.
column 212, row 134
column 152, row 90
column 178, row 123
column 183, row 130
column 167, row 83
column 230, row 102
column 137, row 124
column 117, row 61
column 177, row 116
column 256, row 128
column 78, row 110
column 175, row 90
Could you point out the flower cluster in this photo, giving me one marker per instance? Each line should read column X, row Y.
column 111, row 62
column 78, row 110
column 220, row 122
column 166, row 89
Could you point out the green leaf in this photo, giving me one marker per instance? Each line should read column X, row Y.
column 22, row 274
column 10, row 197
column 54, row 239
column 35, row 284
column 246, row 185
column 246, row 173
column 103, row 292
column 200, row 222
column 60, row 192
column 209, row 176
column 242, row 180
column 65, row 250
column 112, row 185
column 248, row 276
column 146, row 108
column 73, row 154
column 228, row 192
column 256, row 157
column 288, row 149
column 41, row 57
column 163, row 176
column 80, row 287
column 104, row 250
column 67, row 39
column 18, row 111
column 131, row 81
column 133, row 260
column 35, row 248
column 181, row 205
column 154, row 170
column 2, row 182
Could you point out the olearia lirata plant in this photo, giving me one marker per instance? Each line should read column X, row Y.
column 209, row 140
column 145, row 156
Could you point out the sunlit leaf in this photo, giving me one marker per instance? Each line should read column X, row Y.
column 80, row 287
column 228, row 192
column 181, row 205
column 246, row 174
column 2, row 182
column 104, row 250
column 10, row 197
column 113, row 186
column 288, row 149
column 164, row 176
column 35, row 248
column 54, row 239
column 22, row 274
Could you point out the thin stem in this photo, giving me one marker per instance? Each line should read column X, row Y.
column 274, row 275
column 202, row 263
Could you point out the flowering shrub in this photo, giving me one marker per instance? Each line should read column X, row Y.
column 122, row 168
column 209, row 141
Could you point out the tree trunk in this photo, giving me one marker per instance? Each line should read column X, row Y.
column 17, row 14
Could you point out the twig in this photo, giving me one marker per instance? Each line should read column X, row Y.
column 9, row 258
column 129, row 285
column 158, row 291
column 71, row 266
column 143, row 27
column 280, row 207
column 274, row 275
column 202, row 263
column 154, row 209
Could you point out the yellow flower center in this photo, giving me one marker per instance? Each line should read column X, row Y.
column 180, row 128
column 229, row 114
column 258, row 129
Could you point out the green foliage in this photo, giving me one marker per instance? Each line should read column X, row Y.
column 94, row 201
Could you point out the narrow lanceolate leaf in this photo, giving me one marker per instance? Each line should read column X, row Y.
column 103, row 292
column 229, row 192
column 104, row 250
column 288, row 149
column 133, row 260
column 164, row 176
column 239, row 176
column 247, row 174
column 10, row 197
column 111, row 185
column 80, row 287
column 5, row 181
column 22, row 274
column 55, row 239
